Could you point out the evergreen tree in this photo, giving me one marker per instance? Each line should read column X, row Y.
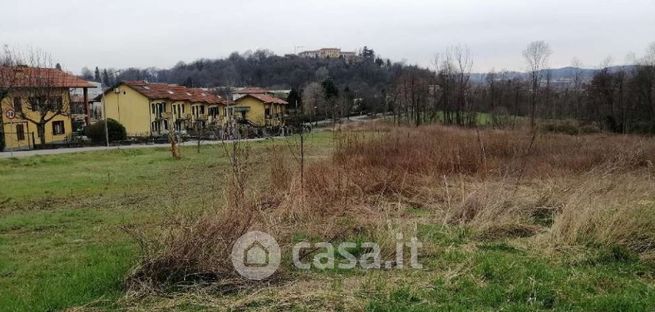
column 105, row 78
column 330, row 89
column 86, row 74
column 96, row 77
column 368, row 54
column 348, row 100
column 294, row 99
column 188, row 82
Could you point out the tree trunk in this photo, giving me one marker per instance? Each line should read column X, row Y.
column 533, row 105
column 40, row 129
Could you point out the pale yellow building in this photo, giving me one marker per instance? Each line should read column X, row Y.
column 260, row 109
column 329, row 53
column 36, row 107
column 152, row 109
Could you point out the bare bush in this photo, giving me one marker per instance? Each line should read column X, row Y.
column 196, row 250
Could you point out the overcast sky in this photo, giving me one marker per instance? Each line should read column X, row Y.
column 143, row 33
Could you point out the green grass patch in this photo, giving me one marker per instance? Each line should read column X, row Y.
column 503, row 278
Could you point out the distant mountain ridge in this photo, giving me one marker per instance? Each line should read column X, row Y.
column 563, row 73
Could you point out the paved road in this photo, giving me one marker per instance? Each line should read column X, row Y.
column 104, row 148
column 165, row 145
column 328, row 122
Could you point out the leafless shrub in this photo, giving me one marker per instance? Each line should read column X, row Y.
column 196, row 250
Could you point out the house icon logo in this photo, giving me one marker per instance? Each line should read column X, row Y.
column 256, row 255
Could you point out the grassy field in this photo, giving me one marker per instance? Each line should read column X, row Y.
column 60, row 228
column 61, row 218
column 494, row 238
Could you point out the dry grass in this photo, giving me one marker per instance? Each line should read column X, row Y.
column 191, row 250
column 609, row 209
column 571, row 190
column 437, row 151
column 593, row 189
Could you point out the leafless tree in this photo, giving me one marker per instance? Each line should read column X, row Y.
column 649, row 59
column 6, row 75
column 536, row 55
column 445, row 79
column 453, row 69
column 42, row 85
column 313, row 99
column 411, row 93
column 577, row 87
column 464, row 62
column 494, row 88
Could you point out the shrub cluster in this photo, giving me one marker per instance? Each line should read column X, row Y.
column 96, row 131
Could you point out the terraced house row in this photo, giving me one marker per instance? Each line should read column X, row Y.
column 152, row 109
column 37, row 107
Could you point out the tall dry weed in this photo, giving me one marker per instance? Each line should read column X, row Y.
column 501, row 183
column 609, row 209
column 195, row 250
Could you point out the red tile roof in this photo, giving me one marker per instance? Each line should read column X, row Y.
column 173, row 92
column 35, row 77
column 252, row 90
column 265, row 98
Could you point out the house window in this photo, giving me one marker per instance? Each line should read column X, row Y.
column 20, row 132
column 202, row 109
column 213, row 111
column 34, row 103
column 58, row 127
column 152, row 108
column 156, row 126
column 18, row 105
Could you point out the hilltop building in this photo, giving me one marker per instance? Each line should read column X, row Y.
column 329, row 53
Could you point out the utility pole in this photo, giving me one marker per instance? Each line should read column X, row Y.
column 302, row 150
column 104, row 112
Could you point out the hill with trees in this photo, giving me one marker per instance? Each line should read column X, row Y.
column 613, row 98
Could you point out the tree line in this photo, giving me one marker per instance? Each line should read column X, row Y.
column 619, row 98
column 615, row 98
